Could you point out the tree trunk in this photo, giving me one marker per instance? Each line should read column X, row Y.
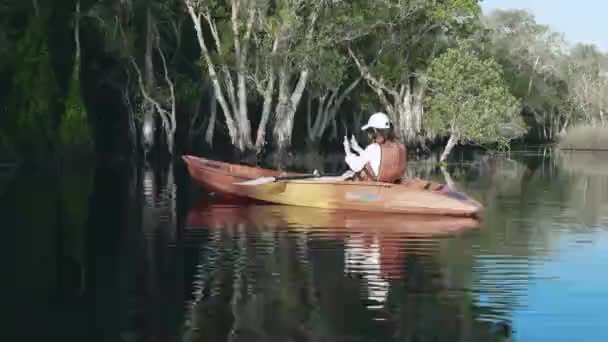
column 77, row 33
column 132, row 131
column 241, row 48
column 448, row 178
column 409, row 112
column 448, row 147
column 230, row 123
column 168, row 117
column 403, row 105
column 327, row 110
column 211, row 125
column 334, row 130
column 267, row 106
column 565, row 126
column 314, row 129
column 148, row 108
column 36, row 7
column 287, row 107
column 309, row 126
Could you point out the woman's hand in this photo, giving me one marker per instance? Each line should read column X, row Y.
column 346, row 146
column 355, row 145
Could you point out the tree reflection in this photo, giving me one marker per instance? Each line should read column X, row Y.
column 299, row 281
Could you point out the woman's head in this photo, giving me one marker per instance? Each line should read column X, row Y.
column 379, row 128
column 380, row 135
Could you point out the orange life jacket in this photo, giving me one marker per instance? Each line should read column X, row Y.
column 393, row 162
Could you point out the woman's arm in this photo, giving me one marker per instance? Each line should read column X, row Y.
column 357, row 162
column 355, row 145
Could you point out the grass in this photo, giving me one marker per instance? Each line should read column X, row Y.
column 585, row 137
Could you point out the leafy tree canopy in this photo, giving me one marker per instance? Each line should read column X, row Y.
column 470, row 100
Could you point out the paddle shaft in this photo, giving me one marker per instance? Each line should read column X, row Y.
column 311, row 175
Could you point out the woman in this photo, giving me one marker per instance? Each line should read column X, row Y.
column 384, row 160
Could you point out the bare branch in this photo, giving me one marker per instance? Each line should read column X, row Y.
column 147, row 96
column 375, row 83
column 169, row 84
column 196, row 18
column 235, row 31
column 344, row 95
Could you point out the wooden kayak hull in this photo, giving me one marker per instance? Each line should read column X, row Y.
column 412, row 196
column 220, row 177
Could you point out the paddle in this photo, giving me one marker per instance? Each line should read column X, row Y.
column 266, row 180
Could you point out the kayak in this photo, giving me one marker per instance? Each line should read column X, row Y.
column 409, row 196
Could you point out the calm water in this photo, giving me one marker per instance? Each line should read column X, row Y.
column 112, row 253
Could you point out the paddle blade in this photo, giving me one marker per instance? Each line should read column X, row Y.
column 258, row 181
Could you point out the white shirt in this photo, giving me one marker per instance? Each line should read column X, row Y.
column 371, row 154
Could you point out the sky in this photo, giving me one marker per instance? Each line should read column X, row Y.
column 579, row 20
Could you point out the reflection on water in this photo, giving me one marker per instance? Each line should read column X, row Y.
column 117, row 252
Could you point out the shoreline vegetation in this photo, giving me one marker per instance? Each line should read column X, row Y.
column 265, row 80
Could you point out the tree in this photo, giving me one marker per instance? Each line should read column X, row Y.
column 269, row 48
column 530, row 55
column 469, row 101
column 333, row 81
column 231, row 27
column 74, row 128
column 34, row 89
column 400, row 38
column 585, row 70
column 135, row 32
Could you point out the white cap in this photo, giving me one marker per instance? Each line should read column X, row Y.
column 377, row 120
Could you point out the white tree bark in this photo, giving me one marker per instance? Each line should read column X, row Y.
column 77, row 32
column 449, row 146
column 448, row 178
column 404, row 105
column 148, row 107
column 167, row 116
column 196, row 19
column 231, row 97
column 211, row 125
column 287, row 107
column 328, row 106
column 268, row 91
column 241, row 56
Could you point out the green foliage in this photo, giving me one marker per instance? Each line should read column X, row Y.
column 469, row 99
column 529, row 54
column 405, row 36
column 74, row 128
column 556, row 84
column 34, row 89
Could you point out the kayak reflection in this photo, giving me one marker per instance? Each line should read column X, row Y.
column 371, row 239
column 218, row 214
column 269, row 272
